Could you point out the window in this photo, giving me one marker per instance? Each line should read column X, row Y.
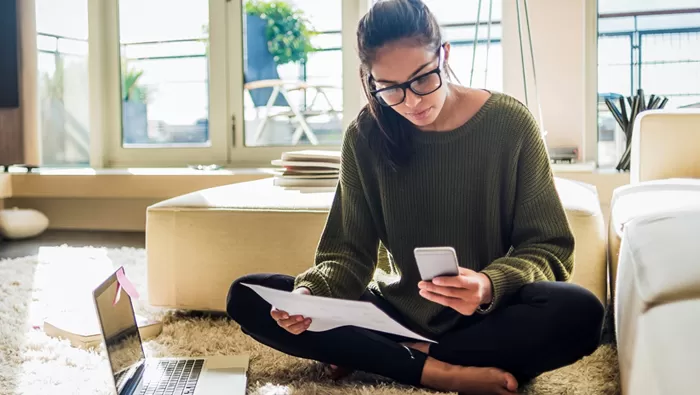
column 293, row 71
column 165, row 68
column 164, row 73
column 652, row 45
column 63, row 101
column 131, row 83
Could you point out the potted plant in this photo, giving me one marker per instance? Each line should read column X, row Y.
column 286, row 29
column 275, row 34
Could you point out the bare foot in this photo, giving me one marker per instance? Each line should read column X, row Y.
column 422, row 347
column 467, row 380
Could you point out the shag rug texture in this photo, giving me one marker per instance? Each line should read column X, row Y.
column 61, row 278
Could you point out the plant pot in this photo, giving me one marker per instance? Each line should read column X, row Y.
column 258, row 62
column 134, row 122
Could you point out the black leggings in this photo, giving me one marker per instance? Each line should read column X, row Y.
column 544, row 326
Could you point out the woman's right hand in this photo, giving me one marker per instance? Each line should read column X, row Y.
column 294, row 324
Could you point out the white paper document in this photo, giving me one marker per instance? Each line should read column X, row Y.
column 330, row 313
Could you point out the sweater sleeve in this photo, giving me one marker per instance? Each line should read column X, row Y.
column 346, row 256
column 541, row 238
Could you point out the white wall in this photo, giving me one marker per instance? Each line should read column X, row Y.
column 563, row 36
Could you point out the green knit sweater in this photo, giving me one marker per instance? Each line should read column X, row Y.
column 485, row 188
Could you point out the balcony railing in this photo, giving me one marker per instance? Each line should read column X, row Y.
column 641, row 55
column 656, row 59
column 652, row 50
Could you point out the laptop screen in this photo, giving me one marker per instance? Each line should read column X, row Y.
column 122, row 338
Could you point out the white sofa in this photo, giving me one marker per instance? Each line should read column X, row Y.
column 654, row 256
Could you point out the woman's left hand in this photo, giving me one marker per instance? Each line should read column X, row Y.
column 464, row 292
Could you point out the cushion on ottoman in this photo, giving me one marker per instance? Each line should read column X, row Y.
column 198, row 243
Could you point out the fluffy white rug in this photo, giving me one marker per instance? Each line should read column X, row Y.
column 61, row 277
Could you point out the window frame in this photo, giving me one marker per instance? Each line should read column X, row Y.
column 636, row 62
column 104, row 85
column 226, row 98
column 226, row 117
column 353, row 99
column 105, row 38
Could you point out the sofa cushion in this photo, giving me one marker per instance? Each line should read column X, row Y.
column 664, row 145
column 657, row 303
column 664, row 251
column 642, row 199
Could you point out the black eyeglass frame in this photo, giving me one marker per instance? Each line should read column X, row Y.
column 407, row 84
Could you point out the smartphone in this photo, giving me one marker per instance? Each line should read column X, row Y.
column 436, row 262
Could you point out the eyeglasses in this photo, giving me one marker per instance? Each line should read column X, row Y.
column 421, row 85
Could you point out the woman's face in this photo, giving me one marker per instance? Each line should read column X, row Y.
column 400, row 62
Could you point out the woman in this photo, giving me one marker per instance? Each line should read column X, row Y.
column 431, row 163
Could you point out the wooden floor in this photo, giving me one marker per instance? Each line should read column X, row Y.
column 54, row 238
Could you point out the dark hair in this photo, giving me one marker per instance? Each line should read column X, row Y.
column 388, row 21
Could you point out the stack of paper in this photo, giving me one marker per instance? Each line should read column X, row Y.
column 308, row 170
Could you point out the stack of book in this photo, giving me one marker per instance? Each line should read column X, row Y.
column 82, row 327
column 308, row 170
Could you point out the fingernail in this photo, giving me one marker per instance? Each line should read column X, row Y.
column 300, row 319
column 285, row 316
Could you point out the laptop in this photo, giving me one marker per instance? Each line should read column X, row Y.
column 135, row 374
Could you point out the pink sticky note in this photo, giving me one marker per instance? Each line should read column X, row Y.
column 126, row 285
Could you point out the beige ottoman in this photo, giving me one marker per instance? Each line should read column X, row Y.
column 199, row 243
column 641, row 199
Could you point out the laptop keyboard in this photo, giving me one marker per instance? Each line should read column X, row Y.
column 176, row 377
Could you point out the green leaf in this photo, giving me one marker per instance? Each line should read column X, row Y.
column 288, row 31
